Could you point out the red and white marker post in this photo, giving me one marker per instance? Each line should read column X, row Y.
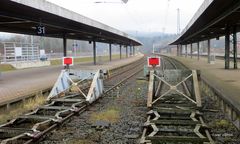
column 154, row 62
column 67, row 61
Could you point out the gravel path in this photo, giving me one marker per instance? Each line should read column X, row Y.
column 123, row 114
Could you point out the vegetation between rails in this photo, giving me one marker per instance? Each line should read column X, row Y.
column 80, row 142
column 21, row 108
column 111, row 115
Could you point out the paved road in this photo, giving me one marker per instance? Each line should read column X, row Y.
column 15, row 84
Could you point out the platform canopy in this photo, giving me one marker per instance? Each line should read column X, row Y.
column 213, row 19
column 26, row 16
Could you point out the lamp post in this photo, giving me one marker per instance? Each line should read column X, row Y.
column 75, row 45
column 153, row 48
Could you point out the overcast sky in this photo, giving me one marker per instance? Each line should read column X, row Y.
column 136, row 15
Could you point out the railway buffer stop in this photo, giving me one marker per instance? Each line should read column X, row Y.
column 46, row 19
column 174, row 103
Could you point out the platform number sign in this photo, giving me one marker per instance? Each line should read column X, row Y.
column 67, row 61
column 40, row 30
column 154, row 62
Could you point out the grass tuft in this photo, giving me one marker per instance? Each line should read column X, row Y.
column 22, row 108
column 84, row 59
column 81, row 142
column 6, row 67
column 111, row 115
column 223, row 124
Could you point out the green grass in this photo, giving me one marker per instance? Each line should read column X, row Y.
column 111, row 115
column 6, row 67
column 76, row 61
column 86, row 59
column 76, row 141
column 21, row 108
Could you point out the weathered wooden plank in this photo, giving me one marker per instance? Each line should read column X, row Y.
column 196, row 89
column 150, row 89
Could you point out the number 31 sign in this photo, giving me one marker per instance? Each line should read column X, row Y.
column 40, row 30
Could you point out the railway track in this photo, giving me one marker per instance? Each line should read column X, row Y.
column 29, row 128
column 175, row 106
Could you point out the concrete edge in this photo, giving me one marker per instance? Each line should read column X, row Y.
column 2, row 104
column 20, row 98
column 216, row 90
column 219, row 93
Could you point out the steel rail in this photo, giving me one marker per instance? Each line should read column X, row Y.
column 158, row 121
column 136, row 68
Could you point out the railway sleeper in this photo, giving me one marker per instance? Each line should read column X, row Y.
column 154, row 131
column 177, row 139
column 175, row 103
column 6, row 132
column 63, row 102
column 174, row 115
column 19, row 139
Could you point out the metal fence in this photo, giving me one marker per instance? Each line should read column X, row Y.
column 15, row 52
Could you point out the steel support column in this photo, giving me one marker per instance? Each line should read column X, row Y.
column 186, row 50
column 64, row 45
column 130, row 50
column 120, row 51
column 227, row 48
column 235, row 47
column 94, row 53
column 126, row 51
column 65, row 49
column 177, row 50
column 191, row 50
column 181, row 50
column 209, row 50
column 110, row 52
column 198, row 51
column 133, row 50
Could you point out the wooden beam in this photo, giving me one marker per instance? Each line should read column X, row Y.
column 196, row 89
column 150, row 89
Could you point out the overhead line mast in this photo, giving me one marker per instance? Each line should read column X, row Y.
column 178, row 21
column 166, row 16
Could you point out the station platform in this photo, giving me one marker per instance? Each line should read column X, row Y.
column 226, row 82
column 19, row 84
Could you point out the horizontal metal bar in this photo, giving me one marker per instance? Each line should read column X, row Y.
column 174, row 118
column 176, row 139
column 162, row 110
column 174, row 122
column 174, row 105
column 177, row 130
column 39, row 117
column 54, row 107
column 67, row 100
column 14, row 130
